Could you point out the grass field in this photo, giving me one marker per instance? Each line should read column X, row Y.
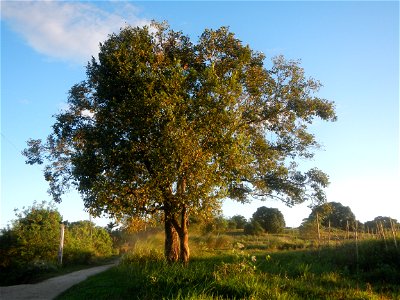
column 235, row 266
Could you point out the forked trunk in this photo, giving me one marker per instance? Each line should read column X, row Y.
column 177, row 238
column 176, row 233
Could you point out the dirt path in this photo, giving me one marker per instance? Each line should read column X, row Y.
column 50, row 288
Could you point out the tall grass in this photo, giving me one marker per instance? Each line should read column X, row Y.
column 247, row 272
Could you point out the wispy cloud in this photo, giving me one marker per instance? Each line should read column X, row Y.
column 70, row 31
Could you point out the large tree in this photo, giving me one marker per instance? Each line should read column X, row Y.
column 165, row 126
column 333, row 214
column 271, row 219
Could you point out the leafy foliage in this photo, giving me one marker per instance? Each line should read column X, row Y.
column 34, row 236
column 335, row 213
column 386, row 222
column 84, row 241
column 216, row 224
column 253, row 228
column 163, row 124
column 239, row 221
column 270, row 219
column 30, row 246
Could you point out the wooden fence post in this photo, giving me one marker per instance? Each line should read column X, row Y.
column 356, row 237
column 329, row 232
column 383, row 234
column 319, row 234
column 392, row 226
column 60, row 249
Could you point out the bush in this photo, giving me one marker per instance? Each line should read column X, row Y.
column 85, row 242
column 223, row 242
column 30, row 246
column 217, row 224
column 253, row 228
column 238, row 222
column 34, row 236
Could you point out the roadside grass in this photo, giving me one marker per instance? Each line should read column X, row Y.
column 247, row 272
column 40, row 271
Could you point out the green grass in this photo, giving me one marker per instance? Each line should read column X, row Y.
column 255, row 273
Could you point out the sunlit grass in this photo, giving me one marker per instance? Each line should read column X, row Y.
column 326, row 273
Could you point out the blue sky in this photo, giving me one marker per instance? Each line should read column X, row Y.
column 351, row 47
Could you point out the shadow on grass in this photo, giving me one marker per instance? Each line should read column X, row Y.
column 320, row 274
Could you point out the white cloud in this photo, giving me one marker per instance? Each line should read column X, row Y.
column 70, row 31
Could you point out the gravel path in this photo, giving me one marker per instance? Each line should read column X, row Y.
column 50, row 288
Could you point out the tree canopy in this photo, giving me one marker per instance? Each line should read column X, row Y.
column 386, row 222
column 239, row 221
column 333, row 213
column 166, row 126
column 270, row 219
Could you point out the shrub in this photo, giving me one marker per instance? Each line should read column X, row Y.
column 29, row 246
column 217, row 224
column 34, row 236
column 84, row 242
column 253, row 228
column 223, row 242
column 238, row 222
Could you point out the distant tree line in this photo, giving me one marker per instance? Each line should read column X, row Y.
column 264, row 220
column 270, row 220
column 335, row 215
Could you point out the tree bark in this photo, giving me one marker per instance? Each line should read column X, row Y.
column 184, row 238
column 171, row 249
column 176, row 231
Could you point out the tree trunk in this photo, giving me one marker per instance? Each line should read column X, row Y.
column 171, row 239
column 184, row 238
column 176, row 231
column 184, row 243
